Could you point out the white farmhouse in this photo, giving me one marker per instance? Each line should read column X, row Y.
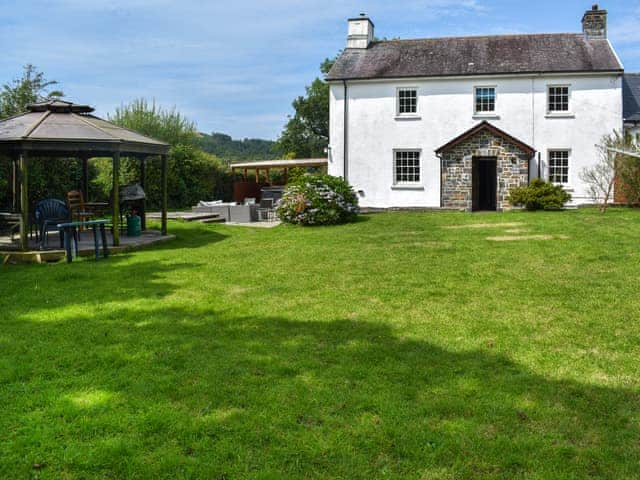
column 457, row 122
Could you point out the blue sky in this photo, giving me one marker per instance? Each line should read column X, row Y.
column 235, row 66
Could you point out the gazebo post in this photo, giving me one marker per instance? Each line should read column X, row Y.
column 115, row 208
column 163, row 181
column 143, row 181
column 24, row 202
column 85, row 177
column 15, row 186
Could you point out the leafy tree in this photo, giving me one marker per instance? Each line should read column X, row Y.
column 306, row 134
column 600, row 178
column 193, row 174
column 627, row 167
column 31, row 87
column 152, row 120
column 230, row 150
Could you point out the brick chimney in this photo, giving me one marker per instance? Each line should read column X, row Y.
column 360, row 32
column 594, row 23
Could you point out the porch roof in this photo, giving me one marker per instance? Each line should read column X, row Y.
column 493, row 130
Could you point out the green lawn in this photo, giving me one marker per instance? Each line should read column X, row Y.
column 389, row 348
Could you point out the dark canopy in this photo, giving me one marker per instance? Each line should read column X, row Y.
column 62, row 129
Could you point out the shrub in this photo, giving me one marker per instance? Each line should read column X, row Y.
column 539, row 195
column 318, row 200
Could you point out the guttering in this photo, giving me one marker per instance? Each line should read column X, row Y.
column 527, row 74
column 345, row 132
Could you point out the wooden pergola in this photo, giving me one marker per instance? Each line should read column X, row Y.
column 268, row 165
column 58, row 129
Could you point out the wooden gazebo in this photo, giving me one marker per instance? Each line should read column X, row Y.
column 62, row 129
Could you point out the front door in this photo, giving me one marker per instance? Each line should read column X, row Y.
column 485, row 183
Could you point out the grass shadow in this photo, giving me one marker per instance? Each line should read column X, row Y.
column 203, row 393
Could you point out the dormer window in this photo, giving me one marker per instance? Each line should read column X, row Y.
column 558, row 99
column 485, row 100
column 407, row 103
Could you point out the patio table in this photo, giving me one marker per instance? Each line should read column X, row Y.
column 70, row 230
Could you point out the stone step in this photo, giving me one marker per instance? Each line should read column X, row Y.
column 187, row 216
column 213, row 220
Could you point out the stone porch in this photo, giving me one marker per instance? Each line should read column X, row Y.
column 483, row 141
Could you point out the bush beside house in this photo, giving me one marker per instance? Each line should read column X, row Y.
column 318, row 200
column 539, row 195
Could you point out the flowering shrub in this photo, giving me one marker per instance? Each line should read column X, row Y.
column 318, row 200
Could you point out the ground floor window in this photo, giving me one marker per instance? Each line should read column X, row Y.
column 406, row 167
column 559, row 166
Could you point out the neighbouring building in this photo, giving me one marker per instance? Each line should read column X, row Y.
column 456, row 122
column 631, row 102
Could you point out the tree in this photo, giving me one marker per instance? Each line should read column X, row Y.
column 193, row 174
column 601, row 177
column 14, row 97
column 30, row 88
column 628, row 170
column 306, row 134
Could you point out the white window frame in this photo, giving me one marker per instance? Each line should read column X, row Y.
column 559, row 113
column 395, row 182
column 407, row 114
column 491, row 113
column 549, row 152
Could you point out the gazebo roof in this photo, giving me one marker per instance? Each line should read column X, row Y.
column 57, row 127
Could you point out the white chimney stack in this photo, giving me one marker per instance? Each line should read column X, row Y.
column 360, row 32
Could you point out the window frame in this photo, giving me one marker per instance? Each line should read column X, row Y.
column 407, row 184
column 488, row 113
column 407, row 114
column 548, row 105
column 549, row 153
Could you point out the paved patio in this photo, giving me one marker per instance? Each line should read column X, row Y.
column 9, row 250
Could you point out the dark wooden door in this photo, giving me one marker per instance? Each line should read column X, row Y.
column 485, row 184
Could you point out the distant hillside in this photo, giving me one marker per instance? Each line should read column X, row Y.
column 230, row 150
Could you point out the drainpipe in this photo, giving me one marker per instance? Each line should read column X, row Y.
column 439, row 155
column 539, row 165
column 345, row 131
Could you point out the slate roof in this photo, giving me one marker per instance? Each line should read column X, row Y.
column 486, row 55
column 59, row 122
column 631, row 97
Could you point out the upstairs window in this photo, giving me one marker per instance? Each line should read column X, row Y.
column 485, row 100
column 407, row 101
column 559, row 166
column 406, row 167
column 558, row 99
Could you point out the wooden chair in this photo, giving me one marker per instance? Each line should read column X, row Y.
column 79, row 213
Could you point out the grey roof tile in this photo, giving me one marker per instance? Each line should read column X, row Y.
column 455, row 56
column 631, row 97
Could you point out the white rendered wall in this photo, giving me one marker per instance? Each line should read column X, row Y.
column 446, row 110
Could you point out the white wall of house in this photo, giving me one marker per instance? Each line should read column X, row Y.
column 446, row 110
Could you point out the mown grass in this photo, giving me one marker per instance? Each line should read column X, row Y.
column 388, row 348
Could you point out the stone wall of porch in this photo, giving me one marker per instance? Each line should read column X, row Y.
column 457, row 170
